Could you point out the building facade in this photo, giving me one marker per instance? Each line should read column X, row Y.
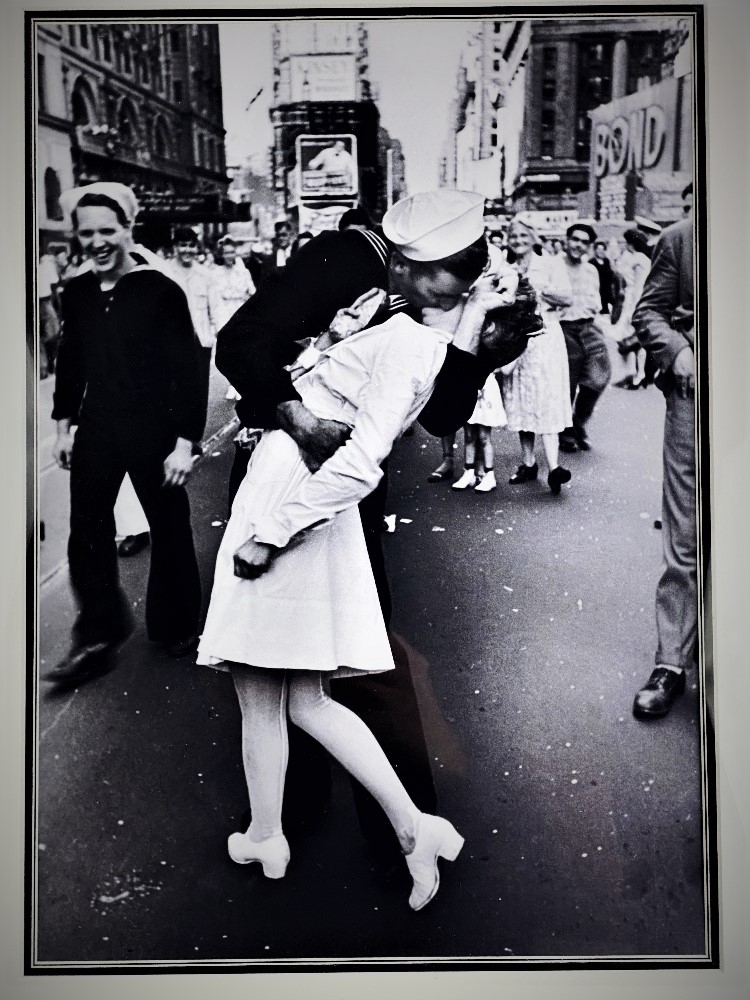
column 575, row 68
column 533, row 99
column 135, row 103
column 330, row 151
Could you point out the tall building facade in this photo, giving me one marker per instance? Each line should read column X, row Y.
column 135, row 103
column 576, row 66
column 529, row 122
column 330, row 151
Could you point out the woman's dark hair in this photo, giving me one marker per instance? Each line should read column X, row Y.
column 184, row 234
column 100, row 201
column 600, row 243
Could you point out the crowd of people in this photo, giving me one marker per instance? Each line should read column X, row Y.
column 337, row 351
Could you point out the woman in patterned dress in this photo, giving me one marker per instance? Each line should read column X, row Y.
column 536, row 388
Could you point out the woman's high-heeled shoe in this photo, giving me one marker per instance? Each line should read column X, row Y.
column 436, row 838
column 556, row 478
column 272, row 853
column 444, row 471
column 524, row 474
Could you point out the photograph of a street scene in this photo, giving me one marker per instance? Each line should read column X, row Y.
column 368, row 563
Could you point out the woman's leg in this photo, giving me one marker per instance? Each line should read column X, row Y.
column 348, row 739
column 470, row 446
column 262, row 696
column 550, row 443
column 528, row 439
column 445, row 469
column 485, row 453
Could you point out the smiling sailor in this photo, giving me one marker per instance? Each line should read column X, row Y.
column 129, row 375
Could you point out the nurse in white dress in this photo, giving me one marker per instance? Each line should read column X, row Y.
column 294, row 601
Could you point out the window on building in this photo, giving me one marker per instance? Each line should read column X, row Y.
column 126, row 124
column 177, row 90
column 549, row 57
column 175, row 40
column 201, row 151
column 496, row 27
column 52, row 193
column 496, row 65
column 493, row 139
column 644, row 63
column 127, row 59
column 81, row 103
column 549, row 90
column 162, row 144
column 593, row 87
column 548, row 148
column 41, row 83
column 72, row 34
column 83, row 35
column 548, row 119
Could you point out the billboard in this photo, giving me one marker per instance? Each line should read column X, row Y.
column 327, row 165
column 331, row 77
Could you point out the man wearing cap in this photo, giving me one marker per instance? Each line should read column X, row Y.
column 436, row 250
column 129, row 375
column 663, row 320
column 588, row 358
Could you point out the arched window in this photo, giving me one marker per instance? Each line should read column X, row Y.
column 52, row 195
column 162, row 140
column 83, row 103
column 127, row 127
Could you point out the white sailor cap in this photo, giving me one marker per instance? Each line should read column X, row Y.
column 121, row 194
column 435, row 224
column 647, row 224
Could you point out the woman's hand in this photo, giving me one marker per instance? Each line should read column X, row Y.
column 491, row 291
column 253, row 559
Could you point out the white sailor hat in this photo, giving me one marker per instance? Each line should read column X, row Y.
column 647, row 224
column 121, row 194
column 435, row 224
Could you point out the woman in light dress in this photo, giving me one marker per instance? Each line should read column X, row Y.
column 633, row 266
column 536, row 388
column 294, row 601
column 231, row 285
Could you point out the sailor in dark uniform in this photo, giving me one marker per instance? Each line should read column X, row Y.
column 130, row 376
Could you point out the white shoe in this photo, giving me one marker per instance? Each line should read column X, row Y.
column 232, row 393
column 468, row 479
column 486, row 483
column 436, row 838
column 272, row 853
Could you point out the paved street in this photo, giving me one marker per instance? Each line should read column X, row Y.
column 529, row 621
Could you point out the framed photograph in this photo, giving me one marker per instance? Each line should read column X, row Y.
column 541, row 593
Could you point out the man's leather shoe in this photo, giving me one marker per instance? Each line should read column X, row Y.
column 568, row 444
column 657, row 697
column 181, row 647
column 133, row 544
column 81, row 663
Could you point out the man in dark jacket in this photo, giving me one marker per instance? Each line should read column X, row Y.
column 429, row 262
column 663, row 320
column 130, row 376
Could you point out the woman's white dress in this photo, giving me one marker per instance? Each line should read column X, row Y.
column 317, row 608
column 633, row 267
column 536, row 393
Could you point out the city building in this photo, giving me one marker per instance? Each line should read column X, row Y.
column 576, row 67
column 136, row 103
column 330, row 151
column 534, row 102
